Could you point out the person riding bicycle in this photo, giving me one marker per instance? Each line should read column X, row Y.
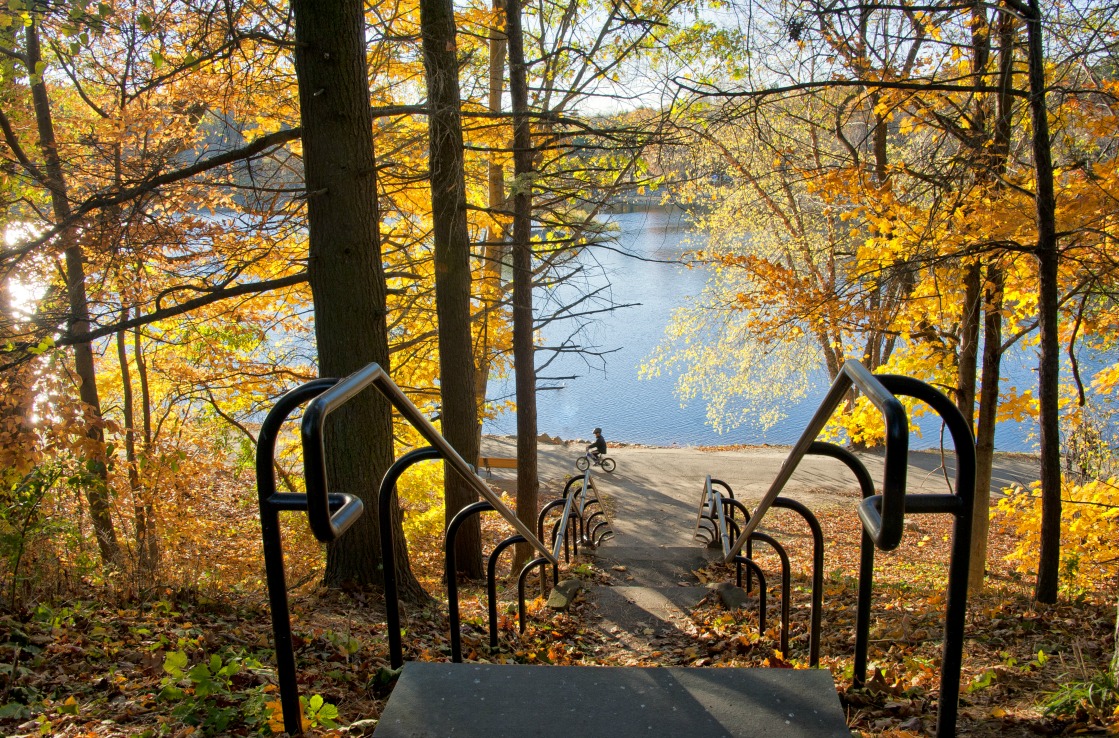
column 598, row 448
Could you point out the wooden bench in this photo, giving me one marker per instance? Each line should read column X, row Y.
column 489, row 463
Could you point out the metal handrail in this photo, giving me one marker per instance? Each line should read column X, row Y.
column 720, row 511
column 561, row 533
column 327, row 527
column 891, row 508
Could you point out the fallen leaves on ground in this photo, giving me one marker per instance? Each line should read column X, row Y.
column 192, row 663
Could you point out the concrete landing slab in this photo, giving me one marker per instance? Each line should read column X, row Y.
column 437, row 700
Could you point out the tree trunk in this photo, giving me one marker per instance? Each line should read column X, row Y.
column 969, row 340
column 1115, row 655
column 144, row 571
column 152, row 552
column 495, row 247
column 452, row 269
column 97, row 489
column 985, row 431
column 524, row 350
column 992, row 323
column 345, row 272
column 1049, row 557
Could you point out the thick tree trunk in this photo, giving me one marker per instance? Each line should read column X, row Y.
column 452, row 268
column 345, row 271
column 528, row 481
column 97, row 489
column 1049, row 557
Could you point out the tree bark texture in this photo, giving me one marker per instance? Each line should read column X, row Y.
column 452, row 268
column 345, row 272
column 97, row 488
column 524, row 350
column 495, row 247
column 985, row 430
column 1049, row 557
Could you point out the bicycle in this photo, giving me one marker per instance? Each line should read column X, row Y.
column 605, row 462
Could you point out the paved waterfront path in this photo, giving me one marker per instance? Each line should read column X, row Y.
column 653, row 498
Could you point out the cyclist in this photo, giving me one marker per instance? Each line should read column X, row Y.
column 598, row 448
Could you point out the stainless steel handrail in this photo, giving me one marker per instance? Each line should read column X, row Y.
column 897, row 450
column 717, row 502
column 314, row 418
column 561, row 531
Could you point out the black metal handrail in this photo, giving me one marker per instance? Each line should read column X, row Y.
column 882, row 515
column 330, row 514
column 891, row 509
column 314, row 454
column 271, row 504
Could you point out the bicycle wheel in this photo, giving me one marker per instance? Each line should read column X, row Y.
column 608, row 464
column 581, row 463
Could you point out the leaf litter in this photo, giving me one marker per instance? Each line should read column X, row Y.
column 190, row 662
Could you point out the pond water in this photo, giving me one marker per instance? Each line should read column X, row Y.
column 647, row 411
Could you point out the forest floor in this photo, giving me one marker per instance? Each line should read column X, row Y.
column 198, row 660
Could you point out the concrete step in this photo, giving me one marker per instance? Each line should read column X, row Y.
column 436, row 700
column 651, row 565
column 635, row 609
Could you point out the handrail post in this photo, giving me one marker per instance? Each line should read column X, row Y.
column 271, row 504
column 388, row 549
column 451, row 573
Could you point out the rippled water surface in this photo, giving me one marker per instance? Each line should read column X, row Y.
column 647, row 411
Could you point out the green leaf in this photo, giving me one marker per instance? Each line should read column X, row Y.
column 48, row 342
column 174, row 663
column 171, row 692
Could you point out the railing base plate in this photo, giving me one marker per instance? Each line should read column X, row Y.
column 488, row 700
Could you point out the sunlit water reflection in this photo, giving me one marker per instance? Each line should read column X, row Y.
column 647, row 410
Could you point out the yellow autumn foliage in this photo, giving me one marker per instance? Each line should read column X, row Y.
column 1088, row 528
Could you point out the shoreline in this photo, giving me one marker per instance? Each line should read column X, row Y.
column 750, row 468
column 544, row 438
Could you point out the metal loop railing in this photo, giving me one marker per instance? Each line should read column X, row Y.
column 715, row 507
column 331, row 513
column 583, row 488
column 882, row 515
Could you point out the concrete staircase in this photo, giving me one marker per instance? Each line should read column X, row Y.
column 650, row 561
